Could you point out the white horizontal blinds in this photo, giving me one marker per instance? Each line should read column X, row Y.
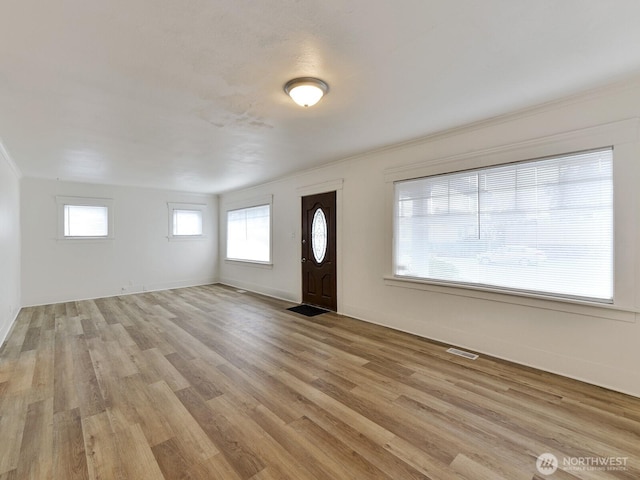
column 543, row 226
column 248, row 234
column 86, row 221
column 187, row 222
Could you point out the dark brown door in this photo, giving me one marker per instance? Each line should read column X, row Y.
column 319, row 250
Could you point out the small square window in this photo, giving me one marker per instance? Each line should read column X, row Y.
column 186, row 220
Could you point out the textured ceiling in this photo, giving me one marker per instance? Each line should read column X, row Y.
column 187, row 95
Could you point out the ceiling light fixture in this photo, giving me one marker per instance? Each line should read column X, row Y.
column 306, row 91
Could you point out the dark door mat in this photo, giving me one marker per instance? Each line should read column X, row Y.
column 307, row 310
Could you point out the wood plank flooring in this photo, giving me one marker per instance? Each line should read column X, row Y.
column 212, row 383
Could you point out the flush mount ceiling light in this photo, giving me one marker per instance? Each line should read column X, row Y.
column 306, row 91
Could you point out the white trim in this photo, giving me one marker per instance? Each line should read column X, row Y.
column 4, row 333
column 541, row 301
column 130, row 291
column 623, row 136
column 323, row 187
column 241, row 205
column 501, row 119
column 248, row 263
column 85, row 202
column 259, row 289
column 615, row 133
column 196, row 207
column 9, row 159
column 469, row 342
column 247, row 203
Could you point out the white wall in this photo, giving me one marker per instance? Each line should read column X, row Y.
column 138, row 258
column 9, row 243
column 593, row 344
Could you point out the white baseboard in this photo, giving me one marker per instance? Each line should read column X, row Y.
column 260, row 289
column 8, row 325
column 129, row 290
column 625, row 381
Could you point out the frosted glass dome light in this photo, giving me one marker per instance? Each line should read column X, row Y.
column 306, row 91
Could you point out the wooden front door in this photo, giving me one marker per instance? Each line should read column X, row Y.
column 319, row 285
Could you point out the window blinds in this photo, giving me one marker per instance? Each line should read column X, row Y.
column 542, row 226
column 187, row 222
column 86, row 221
column 248, row 234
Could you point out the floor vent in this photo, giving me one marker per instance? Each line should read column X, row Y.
column 462, row 353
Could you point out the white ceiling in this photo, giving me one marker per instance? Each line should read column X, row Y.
column 187, row 95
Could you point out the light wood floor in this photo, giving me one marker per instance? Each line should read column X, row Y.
column 211, row 383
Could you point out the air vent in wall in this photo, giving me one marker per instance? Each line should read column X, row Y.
column 462, row 353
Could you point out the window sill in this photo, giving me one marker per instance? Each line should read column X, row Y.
column 185, row 238
column 85, row 239
column 248, row 263
column 591, row 309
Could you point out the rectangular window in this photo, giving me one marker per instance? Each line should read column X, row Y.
column 249, row 234
column 86, row 221
column 84, row 218
column 542, row 226
column 186, row 220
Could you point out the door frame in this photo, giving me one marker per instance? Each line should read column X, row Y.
column 324, row 187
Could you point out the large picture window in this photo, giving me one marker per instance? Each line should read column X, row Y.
column 542, row 226
column 249, row 234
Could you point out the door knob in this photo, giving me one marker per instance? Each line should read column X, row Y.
column 303, row 260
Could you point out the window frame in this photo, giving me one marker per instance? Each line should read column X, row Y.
column 490, row 170
column 63, row 201
column 266, row 200
column 196, row 207
column 623, row 136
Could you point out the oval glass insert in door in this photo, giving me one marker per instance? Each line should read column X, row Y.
column 319, row 235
